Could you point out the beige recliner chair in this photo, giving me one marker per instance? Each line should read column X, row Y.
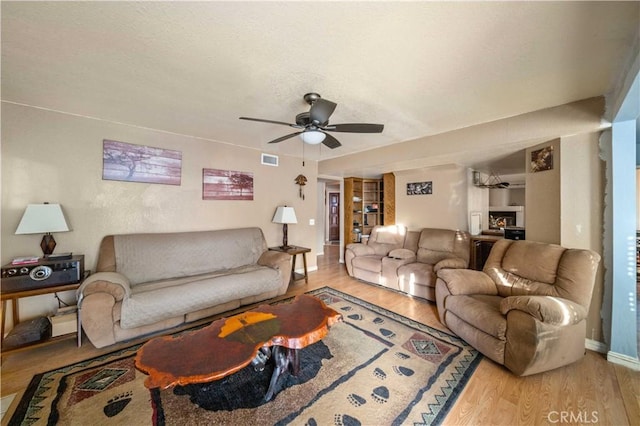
column 364, row 261
column 437, row 249
column 527, row 309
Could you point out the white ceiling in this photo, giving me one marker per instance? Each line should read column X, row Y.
column 419, row 68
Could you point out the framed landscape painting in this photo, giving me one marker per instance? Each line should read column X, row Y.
column 226, row 185
column 138, row 163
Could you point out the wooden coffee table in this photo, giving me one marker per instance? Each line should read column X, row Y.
column 227, row 345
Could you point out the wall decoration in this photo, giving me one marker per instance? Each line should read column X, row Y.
column 226, row 185
column 542, row 159
column 138, row 163
column 419, row 188
column 302, row 181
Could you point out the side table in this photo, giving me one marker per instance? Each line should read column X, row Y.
column 13, row 296
column 294, row 251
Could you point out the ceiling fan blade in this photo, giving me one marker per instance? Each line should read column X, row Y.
column 284, row 138
column 268, row 121
column 331, row 142
column 321, row 110
column 355, row 128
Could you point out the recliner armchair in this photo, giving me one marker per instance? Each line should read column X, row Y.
column 364, row 261
column 437, row 249
column 526, row 309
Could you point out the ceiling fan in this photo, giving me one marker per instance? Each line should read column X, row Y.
column 314, row 124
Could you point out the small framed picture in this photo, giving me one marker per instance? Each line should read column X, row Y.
column 420, row 188
column 542, row 159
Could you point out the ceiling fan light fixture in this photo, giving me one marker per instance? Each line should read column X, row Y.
column 312, row 137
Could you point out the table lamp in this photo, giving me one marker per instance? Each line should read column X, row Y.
column 284, row 215
column 43, row 218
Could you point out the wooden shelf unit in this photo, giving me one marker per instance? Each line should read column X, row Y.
column 353, row 218
column 372, row 204
column 389, row 194
column 367, row 203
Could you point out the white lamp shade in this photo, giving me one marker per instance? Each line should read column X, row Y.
column 284, row 214
column 312, row 137
column 42, row 218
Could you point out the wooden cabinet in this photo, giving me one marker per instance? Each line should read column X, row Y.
column 366, row 204
column 481, row 246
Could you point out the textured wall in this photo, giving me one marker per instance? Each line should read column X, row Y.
column 48, row 156
column 445, row 208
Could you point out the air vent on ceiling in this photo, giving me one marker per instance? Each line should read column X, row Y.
column 270, row 160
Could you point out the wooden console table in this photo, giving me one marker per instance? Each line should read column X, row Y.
column 294, row 251
column 230, row 344
column 15, row 295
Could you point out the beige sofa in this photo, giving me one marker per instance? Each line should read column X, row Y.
column 408, row 260
column 527, row 309
column 151, row 282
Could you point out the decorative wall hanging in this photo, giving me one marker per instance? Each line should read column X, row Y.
column 542, row 159
column 419, row 188
column 302, row 181
column 138, row 163
column 226, row 185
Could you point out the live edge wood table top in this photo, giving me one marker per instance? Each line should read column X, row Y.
column 230, row 344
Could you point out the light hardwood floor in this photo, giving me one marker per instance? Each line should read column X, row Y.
column 591, row 391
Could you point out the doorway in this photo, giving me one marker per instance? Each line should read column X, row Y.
column 333, row 205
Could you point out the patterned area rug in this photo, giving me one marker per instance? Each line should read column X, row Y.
column 375, row 367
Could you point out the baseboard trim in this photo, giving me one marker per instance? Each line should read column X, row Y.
column 624, row 360
column 594, row 345
column 309, row 269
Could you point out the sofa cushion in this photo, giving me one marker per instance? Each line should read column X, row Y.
column 542, row 261
column 402, row 253
column 418, row 273
column 371, row 263
column 155, row 304
column 383, row 239
column 393, row 235
column 152, row 257
column 438, row 244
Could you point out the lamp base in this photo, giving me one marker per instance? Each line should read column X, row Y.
column 48, row 244
column 285, row 237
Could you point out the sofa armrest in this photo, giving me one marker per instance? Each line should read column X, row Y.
column 467, row 281
column 359, row 249
column 547, row 309
column 275, row 259
column 403, row 254
column 113, row 283
column 450, row 263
